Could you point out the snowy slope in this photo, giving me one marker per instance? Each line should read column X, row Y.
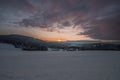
column 52, row 65
column 6, row 47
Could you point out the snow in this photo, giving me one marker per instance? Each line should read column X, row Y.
column 59, row 65
column 4, row 46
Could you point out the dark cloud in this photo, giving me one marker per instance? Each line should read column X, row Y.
column 106, row 25
column 66, row 23
column 99, row 18
column 14, row 10
column 107, row 28
column 54, row 11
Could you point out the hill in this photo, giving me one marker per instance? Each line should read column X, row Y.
column 24, row 42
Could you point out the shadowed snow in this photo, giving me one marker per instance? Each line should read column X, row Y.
column 59, row 65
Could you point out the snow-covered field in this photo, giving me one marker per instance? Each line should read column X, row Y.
column 59, row 65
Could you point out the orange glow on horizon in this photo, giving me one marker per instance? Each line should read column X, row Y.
column 60, row 40
column 54, row 40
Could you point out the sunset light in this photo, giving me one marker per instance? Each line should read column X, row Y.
column 59, row 40
column 54, row 40
column 61, row 20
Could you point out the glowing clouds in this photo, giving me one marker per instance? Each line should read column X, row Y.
column 68, row 19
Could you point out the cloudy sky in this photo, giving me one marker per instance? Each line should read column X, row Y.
column 55, row 20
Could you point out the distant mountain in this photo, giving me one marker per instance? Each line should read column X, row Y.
column 24, row 42
column 21, row 38
column 92, row 45
column 29, row 43
column 85, row 41
column 57, row 45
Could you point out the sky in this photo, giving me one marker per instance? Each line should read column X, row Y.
column 61, row 20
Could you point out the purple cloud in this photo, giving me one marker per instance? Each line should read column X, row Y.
column 99, row 18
